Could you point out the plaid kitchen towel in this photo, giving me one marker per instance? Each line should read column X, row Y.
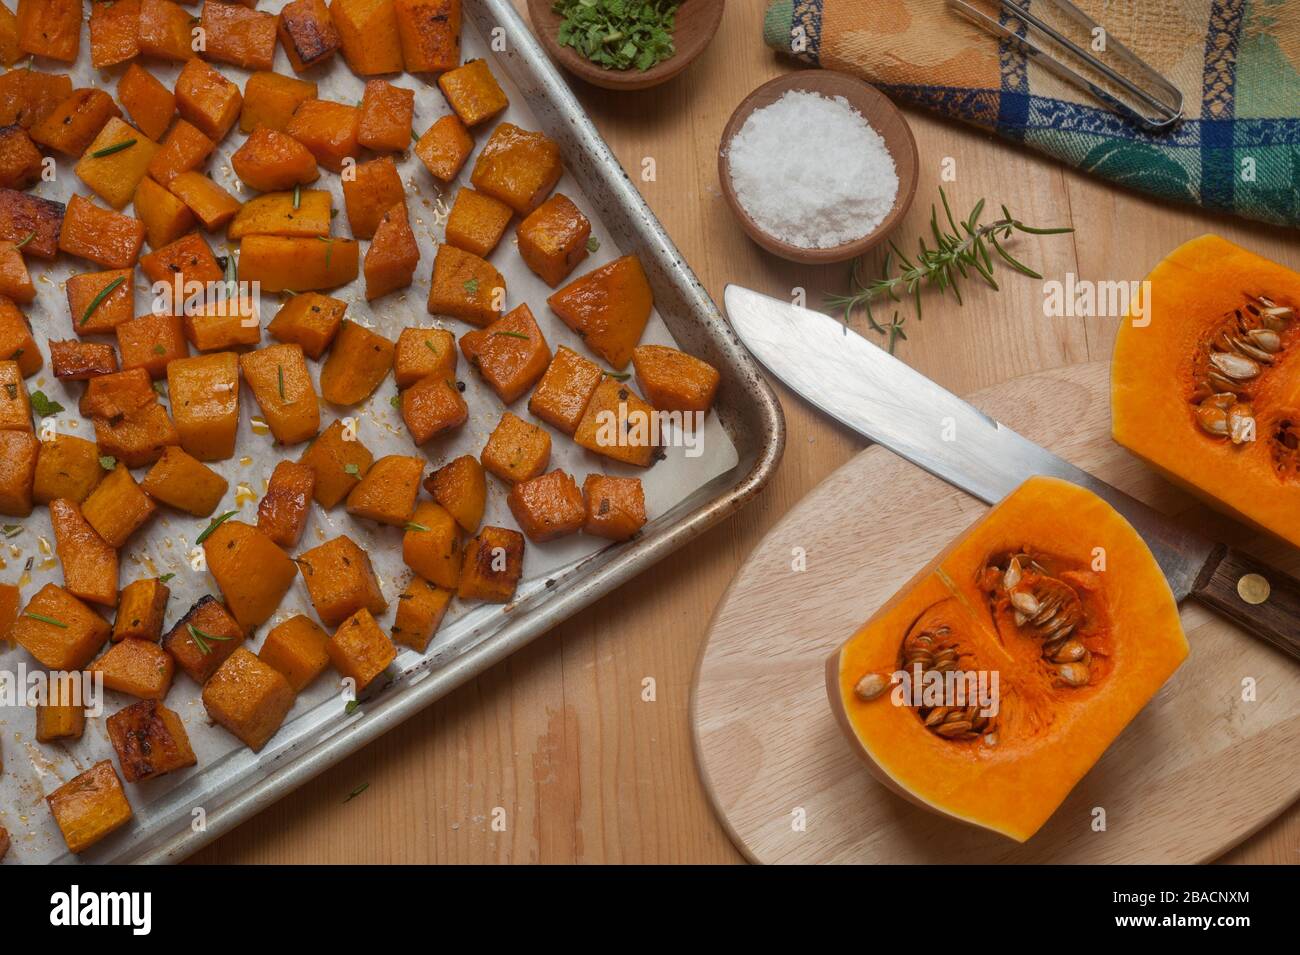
column 1237, row 63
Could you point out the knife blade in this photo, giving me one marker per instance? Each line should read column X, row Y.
column 865, row 388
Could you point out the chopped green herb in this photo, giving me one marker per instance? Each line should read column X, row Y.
column 43, row 406
column 160, row 387
column 329, row 248
column 593, row 244
column 107, row 462
column 159, row 350
column 619, row 34
column 514, row 335
column 44, row 619
column 413, row 526
column 395, row 401
column 353, row 470
column 287, row 291
column 11, row 390
column 279, row 374
column 201, row 638
column 103, row 294
column 297, row 196
column 115, row 148
column 471, row 286
column 357, row 792
column 429, row 345
column 25, row 239
column 166, row 577
column 216, row 522
column 12, row 530
column 351, row 707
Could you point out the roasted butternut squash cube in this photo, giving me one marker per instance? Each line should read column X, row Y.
column 277, row 214
column 359, row 650
column 212, row 205
column 67, row 467
column 184, row 483
column 32, row 220
column 60, row 631
column 152, row 342
column 28, row 96
column 150, row 741
column 140, row 610
column 473, row 92
column 103, row 236
column 18, row 457
column 358, row 362
column 307, row 33
column 202, row 639
column 548, row 506
column 187, row 265
column 231, row 549
column 310, row 320
column 165, row 31
column 618, row 425
column 248, row 697
column 393, row 255
column 239, row 36
column 117, row 507
column 165, row 217
column 368, row 34
column 465, row 286
column 286, row 263
column 553, row 239
column 422, row 352
column 460, row 486
column 89, row 562
column 10, row 598
column 518, row 167
column 340, row 580
column 328, row 129
column 282, row 512
column 431, row 545
column 339, row 460
column 444, row 148
column 615, row 506
column 114, row 33
column 207, row 99
column 20, row 160
column 4, row 833
column 10, row 53
column 430, row 34
column 296, row 648
column 116, row 161
column 16, row 342
column 204, row 395
column 673, row 380
column 270, row 100
column 431, row 407
column 511, row 354
column 224, row 324
column 609, row 308
column 184, row 149
column 282, row 387
column 63, row 715
column 150, row 105
column 271, row 161
column 50, row 28
column 138, row 437
column 493, row 565
column 15, row 279
column 420, row 610
column 371, row 192
column 80, row 361
column 15, row 406
column 477, row 222
column 386, row 114
column 516, row 450
column 91, row 806
column 75, row 122
column 139, row 668
column 387, row 492
column 101, row 301
column 117, row 394
column 564, row 391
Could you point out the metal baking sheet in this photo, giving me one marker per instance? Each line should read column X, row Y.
column 686, row 493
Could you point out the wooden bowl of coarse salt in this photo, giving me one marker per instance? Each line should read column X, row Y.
column 818, row 166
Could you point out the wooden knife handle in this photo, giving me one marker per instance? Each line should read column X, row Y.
column 1263, row 600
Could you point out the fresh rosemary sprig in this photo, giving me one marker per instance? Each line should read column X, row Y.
column 956, row 252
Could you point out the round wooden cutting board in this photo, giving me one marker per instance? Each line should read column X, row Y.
column 1199, row 769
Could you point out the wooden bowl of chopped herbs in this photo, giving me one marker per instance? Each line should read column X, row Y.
column 625, row 44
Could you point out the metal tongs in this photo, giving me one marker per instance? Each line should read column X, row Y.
column 1134, row 90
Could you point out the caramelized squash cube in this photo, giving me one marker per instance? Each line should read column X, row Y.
column 63, row 715
column 67, row 467
column 248, row 697
column 518, row 167
column 137, row 438
column 422, row 352
column 103, row 236
column 359, row 650
column 91, row 806
column 340, row 580
column 15, row 406
column 89, row 562
column 165, row 31
column 60, row 631
column 460, row 486
column 231, row 549
column 270, row 100
column 50, row 28
column 477, row 222
column 393, row 255
column 207, row 99
column 357, row 364
column 80, row 361
column 516, row 450
column 328, row 129
column 118, row 507
column 150, row 105
column 373, row 190
column 20, row 160
column 15, row 280
column 387, row 492
column 140, row 610
column 202, row 639
column 296, row 648
column 32, row 220
column 150, row 741
column 224, row 324
column 204, row 395
column 114, row 33
column 473, row 92
column 238, row 36
column 10, row 53
column 282, row 512
column 619, row 425
column 18, row 456
column 608, row 307
column 368, row 34
column 615, row 506
column 286, row 262
column 152, row 342
column 310, row 320
column 184, row 483
column 339, row 460
column 553, row 239
column 307, row 33
column 548, row 506
column 511, row 354
column 116, row 161
column 110, row 396
column 386, row 114
column 117, row 304
column 139, row 668
column 212, row 205
column 283, row 389
column 184, row 149
column 673, row 380
column 75, row 122
column 430, row 34
column 431, row 545
column 493, row 565
column 16, row 342
column 188, row 261
column 272, row 161
column 465, row 286
column 165, row 217
column 431, row 407
column 420, row 610
column 564, row 391
column 445, row 147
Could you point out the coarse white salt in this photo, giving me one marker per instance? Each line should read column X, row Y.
column 811, row 171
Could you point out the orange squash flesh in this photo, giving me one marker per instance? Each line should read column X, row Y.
column 1198, row 290
column 1046, row 733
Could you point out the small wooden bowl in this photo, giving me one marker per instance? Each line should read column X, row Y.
column 697, row 22
column 884, row 118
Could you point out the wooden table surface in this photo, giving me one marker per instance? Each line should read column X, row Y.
column 558, row 735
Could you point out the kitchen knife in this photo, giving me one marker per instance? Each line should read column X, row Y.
column 872, row 392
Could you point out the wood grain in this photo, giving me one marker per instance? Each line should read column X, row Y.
column 1197, row 770
column 559, row 734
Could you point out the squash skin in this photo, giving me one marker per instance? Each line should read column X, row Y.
column 1151, row 415
column 1014, row 787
